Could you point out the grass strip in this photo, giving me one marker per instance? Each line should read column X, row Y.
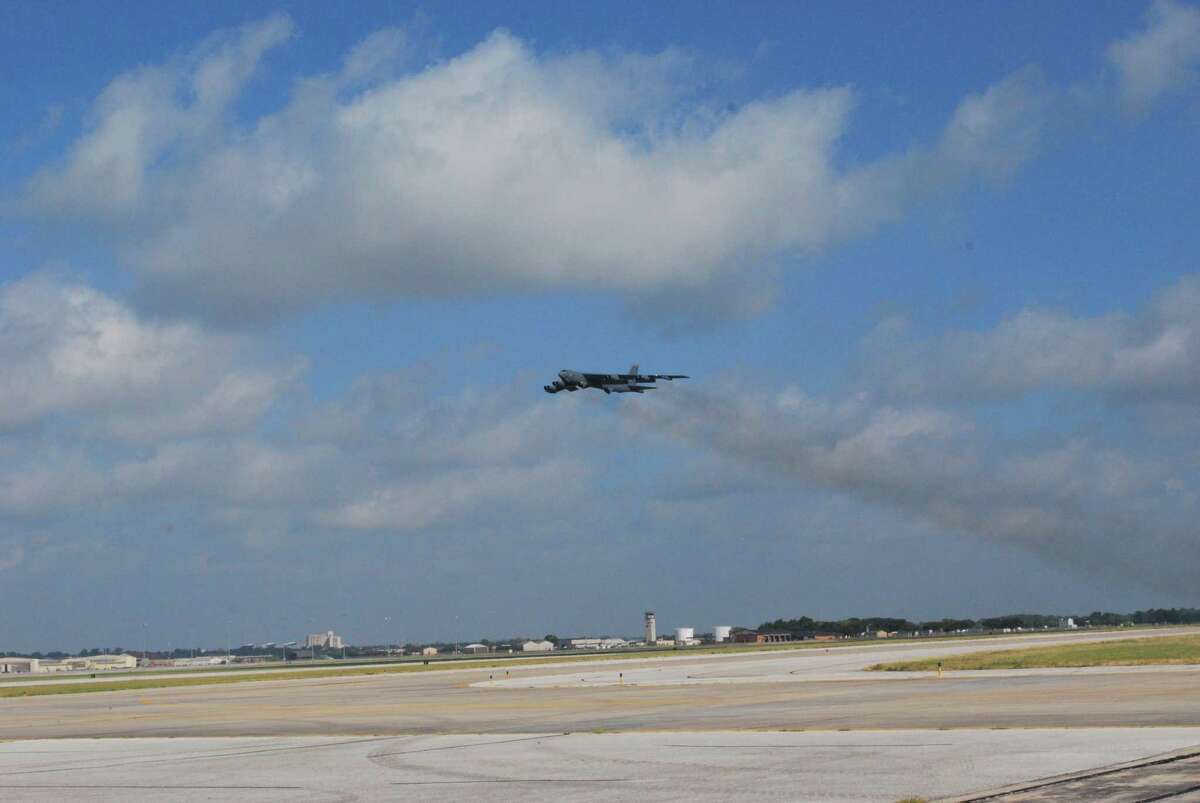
column 40, row 689
column 1130, row 652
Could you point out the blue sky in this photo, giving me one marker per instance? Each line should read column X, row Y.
column 280, row 287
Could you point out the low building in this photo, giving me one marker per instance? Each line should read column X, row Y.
column 124, row 661
column 19, row 666
column 583, row 644
column 86, row 663
column 596, row 643
column 211, row 660
column 64, row 665
column 91, row 663
column 537, row 646
column 476, row 649
column 57, row 666
column 755, row 637
column 429, row 651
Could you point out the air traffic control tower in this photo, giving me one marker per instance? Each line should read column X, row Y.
column 651, row 631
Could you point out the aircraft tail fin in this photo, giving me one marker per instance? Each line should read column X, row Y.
column 633, row 369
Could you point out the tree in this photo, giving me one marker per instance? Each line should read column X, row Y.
column 550, row 637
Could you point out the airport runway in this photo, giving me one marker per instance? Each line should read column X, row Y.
column 802, row 725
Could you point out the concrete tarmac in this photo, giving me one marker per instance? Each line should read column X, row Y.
column 527, row 701
column 698, row 766
column 796, row 725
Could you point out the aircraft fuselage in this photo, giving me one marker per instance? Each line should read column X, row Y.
column 632, row 382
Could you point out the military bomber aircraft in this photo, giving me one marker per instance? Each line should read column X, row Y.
column 632, row 382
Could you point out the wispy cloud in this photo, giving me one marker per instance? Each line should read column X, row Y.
column 1074, row 502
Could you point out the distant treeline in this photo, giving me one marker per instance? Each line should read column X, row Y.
column 1154, row 616
column 804, row 626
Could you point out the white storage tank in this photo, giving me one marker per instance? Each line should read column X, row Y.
column 684, row 634
column 721, row 633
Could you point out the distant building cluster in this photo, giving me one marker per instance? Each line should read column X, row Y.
column 90, row 663
column 778, row 632
column 328, row 639
column 683, row 637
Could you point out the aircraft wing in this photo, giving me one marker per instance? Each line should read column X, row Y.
column 656, row 377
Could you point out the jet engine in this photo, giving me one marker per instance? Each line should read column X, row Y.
column 554, row 387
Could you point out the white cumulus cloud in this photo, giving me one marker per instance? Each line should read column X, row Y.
column 72, row 351
column 1160, row 58
column 111, row 420
column 497, row 169
column 151, row 113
